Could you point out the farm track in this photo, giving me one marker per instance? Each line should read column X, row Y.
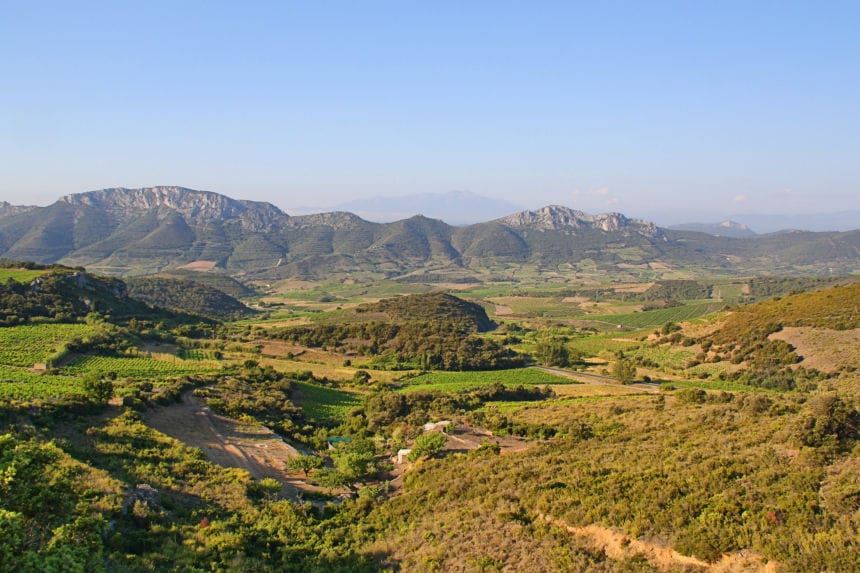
column 596, row 379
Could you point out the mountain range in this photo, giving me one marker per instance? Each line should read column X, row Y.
column 142, row 231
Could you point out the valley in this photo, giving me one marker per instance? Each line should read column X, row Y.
column 525, row 420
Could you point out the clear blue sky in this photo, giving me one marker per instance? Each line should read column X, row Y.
column 665, row 110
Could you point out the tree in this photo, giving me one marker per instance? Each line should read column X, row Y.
column 304, row 464
column 353, row 461
column 553, row 352
column 427, row 445
column 624, row 370
column 331, row 479
column 98, row 390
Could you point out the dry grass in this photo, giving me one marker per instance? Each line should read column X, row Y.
column 824, row 349
column 200, row 266
column 575, row 390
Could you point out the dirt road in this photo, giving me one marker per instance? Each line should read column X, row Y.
column 589, row 378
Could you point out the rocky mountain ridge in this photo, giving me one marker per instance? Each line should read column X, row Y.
column 558, row 218
column 143, row 231
column 195, row 206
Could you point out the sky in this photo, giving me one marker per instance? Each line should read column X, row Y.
column 672, row 111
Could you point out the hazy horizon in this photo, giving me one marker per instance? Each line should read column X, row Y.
column 668, row 112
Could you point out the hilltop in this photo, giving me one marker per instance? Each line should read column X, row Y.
column 429, row 307
column 188, row 296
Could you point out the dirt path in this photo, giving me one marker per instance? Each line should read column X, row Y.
column 597, row 379
column 619, row 546
column 462, row 438
column 228, row 442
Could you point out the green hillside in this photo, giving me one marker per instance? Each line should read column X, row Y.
column 187, row 296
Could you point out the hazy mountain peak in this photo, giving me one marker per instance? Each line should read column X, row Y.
column 727, row 228
column 453, row 207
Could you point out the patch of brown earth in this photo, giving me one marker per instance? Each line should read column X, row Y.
column 200, row 266
column 228, row 442
column 824, row 349
column 502, row 310
column 635, row 288
column 619, row 546
column 463, row 437
column 575, row 299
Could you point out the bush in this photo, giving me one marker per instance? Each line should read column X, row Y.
column 827, row 420
column 427, row 445
column 692, row 396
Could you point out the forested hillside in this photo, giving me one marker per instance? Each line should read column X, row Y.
column 186, row 296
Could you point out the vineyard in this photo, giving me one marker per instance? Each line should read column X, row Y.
column 23, row 385
column 30, row 344
column 198, row 354
column 460, row 381
column 20, row 275
column 658, row 317
column 324, row 404
column 139, row 367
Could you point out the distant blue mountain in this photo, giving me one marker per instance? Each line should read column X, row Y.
column 836, row 221
column 454, row 207
column 724, row 229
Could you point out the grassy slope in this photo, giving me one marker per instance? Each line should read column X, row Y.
column 703, row 479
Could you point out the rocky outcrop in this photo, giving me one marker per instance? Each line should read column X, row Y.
column 559, row 218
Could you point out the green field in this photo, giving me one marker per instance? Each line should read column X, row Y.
column 459, row 381
column 196, row 354
column 657, row 317
column 612, row 342
column 139, row 367
column 36, row 343
column 21, row 384
column 325, row 404
column 665, row 356
column 20, row 275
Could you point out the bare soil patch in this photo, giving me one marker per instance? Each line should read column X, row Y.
column 228, row 442
column 463, row 438
column 635, row 288
column 824, row 349
column 575, row 299
column 619, row 546
column 502, row 310
column 200, row 266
